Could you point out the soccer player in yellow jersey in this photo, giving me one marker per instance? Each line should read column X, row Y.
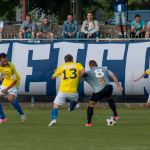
column 147, row 72
column 70, row 73
column 10, row 82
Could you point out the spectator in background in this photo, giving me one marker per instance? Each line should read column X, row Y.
column 147, row 35
column 1, row 28
column 120, row 16
column 90, row 27
column 45, row 29
column 70, row 28
column 137, row 28
column 27, row 29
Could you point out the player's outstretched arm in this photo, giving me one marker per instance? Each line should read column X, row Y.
column 53, row 77
column 139, row 78
column 115, row 79
column 56, row 74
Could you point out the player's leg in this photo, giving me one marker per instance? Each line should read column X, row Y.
column 112, row 106
column 2, row 115
column 15, row 103
column 73, row 101
column 111, row 102
column 93, row 100
column 54, row 114
column 72, row 105
column 13, row 100
column 90, row 112
column 3, row 118
column 59, row 100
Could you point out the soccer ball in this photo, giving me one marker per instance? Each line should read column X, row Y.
column 110, row 121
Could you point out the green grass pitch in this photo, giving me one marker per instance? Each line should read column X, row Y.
column 132, row 131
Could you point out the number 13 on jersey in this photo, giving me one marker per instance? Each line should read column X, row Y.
column 69, row 74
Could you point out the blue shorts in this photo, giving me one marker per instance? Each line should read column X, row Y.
column 121, row 18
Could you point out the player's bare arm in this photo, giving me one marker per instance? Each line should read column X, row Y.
column 9, row 87
column 55, row 75
column 1, row 79
column 139, row 78
column 82, row 73
column 115, row 79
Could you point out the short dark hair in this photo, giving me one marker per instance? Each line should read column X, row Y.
column 70, row 15
column 28, row 15
column 137, row 15
column 45, row 18
column 90, row 12
column 93, row 63
column 68, row 58
column 3, row 55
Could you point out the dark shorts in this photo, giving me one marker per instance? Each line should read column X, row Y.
column 106, row 92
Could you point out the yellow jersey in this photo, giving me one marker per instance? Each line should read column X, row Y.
column 147, row 71
column 70, row 76
column 9, row 74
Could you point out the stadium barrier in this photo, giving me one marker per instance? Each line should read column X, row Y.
column 14, row 36
column 36, row 60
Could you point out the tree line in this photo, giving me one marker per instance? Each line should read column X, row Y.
column 62, row 7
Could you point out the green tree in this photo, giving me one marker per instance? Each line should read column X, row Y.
column 107, row 6
column 62, row 7
column 138, row 4
column 91, row 5
column 7, row 9
column 59, row 7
